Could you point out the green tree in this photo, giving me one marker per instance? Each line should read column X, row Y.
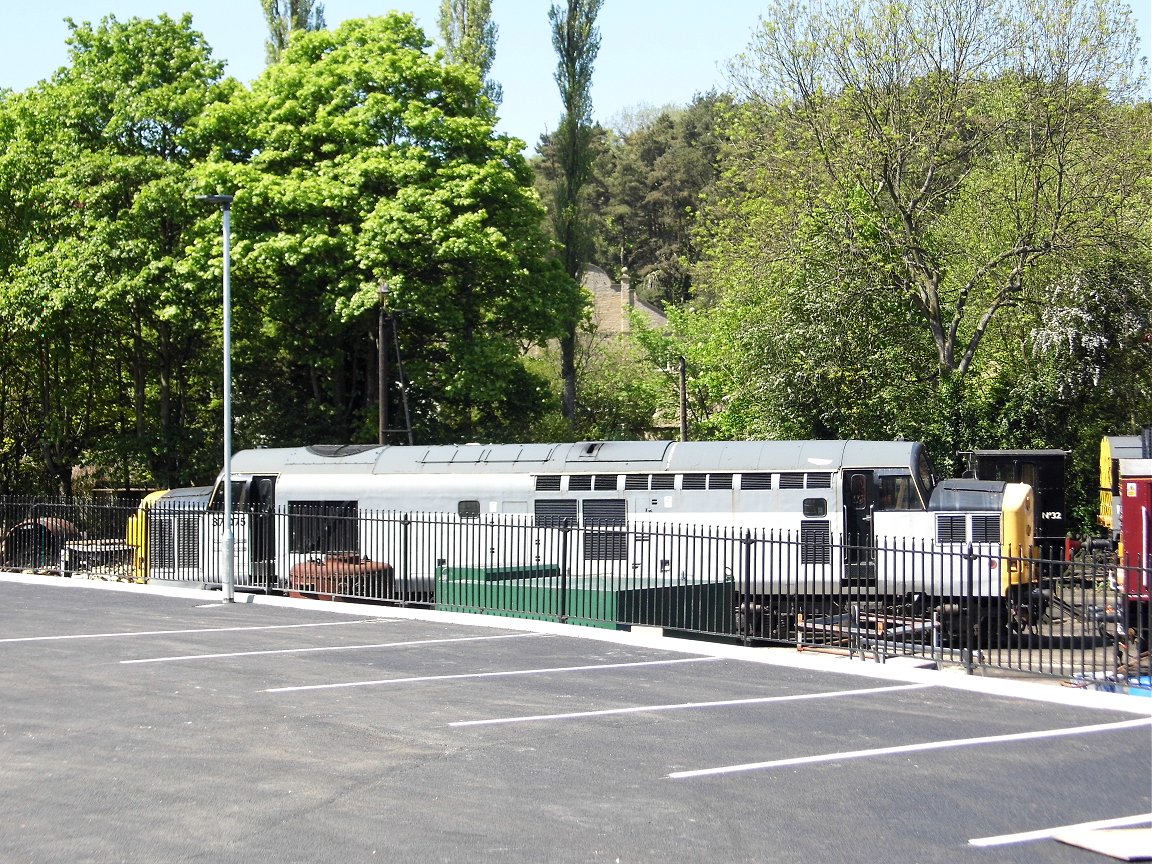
column 98, row 160
column 936, row 162
column 362, row 159
column 285, row 17
column 576, row 41
column 468, row 34
column 655, row 176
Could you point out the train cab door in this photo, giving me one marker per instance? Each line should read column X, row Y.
column 859, row 527
column 261, row 507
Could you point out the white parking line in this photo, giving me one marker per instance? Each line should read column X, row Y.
column 413, row 680
column 178, row 632
column 1047, row 833
column 914, row 748
column 725, row 703
column 331, row 648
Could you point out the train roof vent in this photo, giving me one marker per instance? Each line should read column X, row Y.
column 606, row 482
column 580, row 482
column 755, row 481
column 719, row 481
column 663, row 481
column 335, row 451
column 548, row 483
column 820, row 480
column 623, row 451
column 636, row 481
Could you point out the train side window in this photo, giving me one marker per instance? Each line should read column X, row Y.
column 859, row 486
column 815, row 507
column 323, row 526
column 468, row 509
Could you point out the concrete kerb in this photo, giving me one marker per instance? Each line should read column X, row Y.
column 654, row 638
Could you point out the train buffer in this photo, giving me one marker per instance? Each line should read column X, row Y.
column 881, row 634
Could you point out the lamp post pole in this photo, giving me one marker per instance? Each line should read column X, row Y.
column 382, row 363
column 227, row 533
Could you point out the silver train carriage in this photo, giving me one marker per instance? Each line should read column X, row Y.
column 827, row 517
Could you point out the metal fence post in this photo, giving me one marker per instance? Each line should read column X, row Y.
column 405, row 575
column 565, row 530
column 969, row 619
column 746, row 626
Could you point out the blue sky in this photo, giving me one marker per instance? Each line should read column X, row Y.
column 653, row 52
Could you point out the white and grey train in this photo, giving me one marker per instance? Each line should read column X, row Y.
column 848, row 516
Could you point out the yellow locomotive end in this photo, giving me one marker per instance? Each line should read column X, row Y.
column 137, row 534
column 1018, row 516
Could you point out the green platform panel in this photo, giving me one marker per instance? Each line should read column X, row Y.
column 593, row 601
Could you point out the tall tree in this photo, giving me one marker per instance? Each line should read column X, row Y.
column 469, row 36
column 655, row 175
column 576, row 41
column 362, row 158
column 285, row 17
column 945, row 157
column 97, row 164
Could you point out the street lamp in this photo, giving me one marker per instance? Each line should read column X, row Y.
column 227, row 534
column 382, row 364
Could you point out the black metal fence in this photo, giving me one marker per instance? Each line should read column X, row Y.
column 885, row 599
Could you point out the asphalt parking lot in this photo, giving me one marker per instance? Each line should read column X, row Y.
column 144, row 725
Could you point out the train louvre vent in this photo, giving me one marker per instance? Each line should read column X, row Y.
column 819, row 480
column 719, row 481
column 603, row 482
column 605, row 545
column 161, row 542
column 694, row 481
column 188, row 541
column 555, row 513
column 610, row 511
column 951, row 529
column 985, row 527
column 580, row 482
column 792, row 480
column 663, row 481
column 755, row 481
column 636, row 481
column 548, row 483
column 815, row 542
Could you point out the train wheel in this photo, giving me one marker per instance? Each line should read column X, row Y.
column 978, row 626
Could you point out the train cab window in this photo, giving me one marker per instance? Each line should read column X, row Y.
column 323, row 526
column 468, row 509
column 814, row 508
column 897, row 493
column 216, row 502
